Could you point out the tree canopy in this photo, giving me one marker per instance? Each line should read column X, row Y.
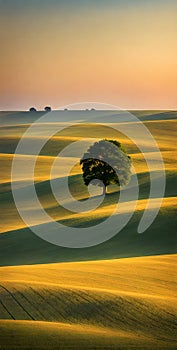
column 106, row 162
column 32, row 109
column 48, row 109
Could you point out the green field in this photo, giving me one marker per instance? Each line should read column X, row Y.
column 117, row 295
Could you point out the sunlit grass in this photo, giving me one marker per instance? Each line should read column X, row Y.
column 105, row 303
column 113, row 304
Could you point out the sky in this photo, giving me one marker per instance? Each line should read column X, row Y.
column 121, row 52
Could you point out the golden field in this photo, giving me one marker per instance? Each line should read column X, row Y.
column 111, row 304
column 117, row 295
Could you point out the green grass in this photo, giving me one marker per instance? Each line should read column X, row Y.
column 21, row 246
column 24, row 247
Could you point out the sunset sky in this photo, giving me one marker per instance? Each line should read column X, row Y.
column 122, row 52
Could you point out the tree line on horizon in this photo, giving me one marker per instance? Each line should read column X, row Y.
column 46, row 109
column 49, row 109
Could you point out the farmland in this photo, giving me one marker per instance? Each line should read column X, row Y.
column 117, row 295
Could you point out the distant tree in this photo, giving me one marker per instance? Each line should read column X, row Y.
column 48, row 109
column 102, row 160
column 32, row 109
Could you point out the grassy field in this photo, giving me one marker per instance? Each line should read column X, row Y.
column 116, row 295
column 122, row 304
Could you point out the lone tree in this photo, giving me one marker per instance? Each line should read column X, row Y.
column 32, row 109
column 106, row 162
column 48, row 109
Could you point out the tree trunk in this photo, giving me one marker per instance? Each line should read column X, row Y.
column 104, row 190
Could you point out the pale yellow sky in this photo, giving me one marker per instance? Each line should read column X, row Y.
column 123, row 55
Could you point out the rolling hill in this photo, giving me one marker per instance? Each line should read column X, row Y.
column 21, row 246
column 117, row 295
column 122, row 304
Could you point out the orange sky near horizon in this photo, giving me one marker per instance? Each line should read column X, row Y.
column 126, row 56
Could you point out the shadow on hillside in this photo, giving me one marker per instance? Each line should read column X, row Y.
column 22, row 247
